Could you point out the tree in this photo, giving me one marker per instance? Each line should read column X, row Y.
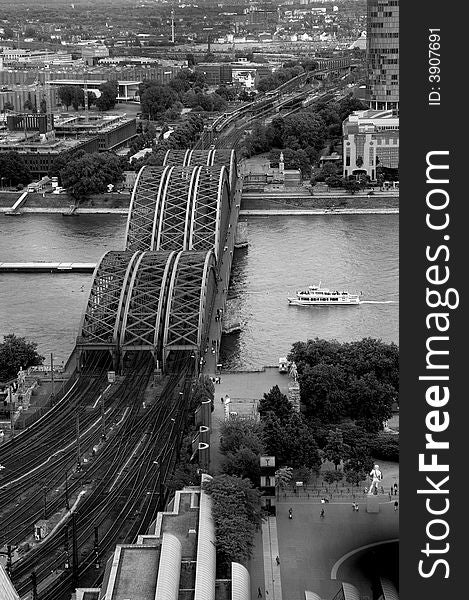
column 70, row 95
column 16, row 352
column 190, row 60
column 13, row 168
column 238, row 433
column 334, row 181
column 237, row 515
column 277, row 403
column 385, row 446
column 357, row 467
column 328, row 169
column 108, row 97
column 43, row 106
column 91, row 174
column 243, row 463
column 335, row 450
column 283, row 477
column 291, row 442
column 324, row 392
column 156, row 99
column 371, row 401
column 228, row 93
column 62, row 160
column 8, row 106
column 332, row 476
column 28, row 105
column 354, row 380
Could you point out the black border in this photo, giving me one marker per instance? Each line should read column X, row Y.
column 424, row 128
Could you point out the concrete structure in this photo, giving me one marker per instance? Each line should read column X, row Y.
column 7, row 591
column 97, row 133
column 215, row 73
column 383, row 54
column 370, row 138
column 176, row 560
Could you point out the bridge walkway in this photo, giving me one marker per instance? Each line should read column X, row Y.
column 210, row 357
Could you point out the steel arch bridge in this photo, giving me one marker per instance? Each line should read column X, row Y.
column 179, row 208
column 157, row 294
column 157, row 302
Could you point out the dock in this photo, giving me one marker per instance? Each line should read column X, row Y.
column 46, row 267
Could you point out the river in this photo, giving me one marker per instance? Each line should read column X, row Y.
column 354, row 252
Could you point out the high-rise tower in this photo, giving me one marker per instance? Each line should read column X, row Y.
column 383, row 54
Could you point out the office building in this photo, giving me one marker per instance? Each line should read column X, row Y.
column 383, row 54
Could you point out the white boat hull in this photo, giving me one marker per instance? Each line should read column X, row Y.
column 347, row 302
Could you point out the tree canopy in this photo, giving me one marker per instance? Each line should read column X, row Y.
column 13, row 168
column 16, row 352
column 275, row 402
column 107, row 99
column 237, row 515
column 90, row 174
column 356, row 381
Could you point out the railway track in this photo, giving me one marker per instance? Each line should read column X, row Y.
column 122, row 485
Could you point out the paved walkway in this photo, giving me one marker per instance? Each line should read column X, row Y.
column 270, row 551
column 309, row 545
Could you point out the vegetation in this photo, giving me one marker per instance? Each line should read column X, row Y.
column 16, row 352
column 242, row 445
column 357, row 381
column 184, row 136
column 107, row 99
column 237, row 516
column 302, row 136
column 164, row 102
column 87, row 174
column 13, row 169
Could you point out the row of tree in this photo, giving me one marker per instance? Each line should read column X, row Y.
column 302, row 135
column 288, row 71
column 164, row 102
column 71, row 95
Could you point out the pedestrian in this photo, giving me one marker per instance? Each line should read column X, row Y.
column 322, row 513
column 396, row 504
column 395, row 489
column 259, row 592
column 323, row 500
column 222, row 401
column 290, row 513
column 277, row 560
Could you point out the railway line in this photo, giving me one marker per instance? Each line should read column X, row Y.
column 118, row 491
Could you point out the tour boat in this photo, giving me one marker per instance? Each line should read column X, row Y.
column 315, row 295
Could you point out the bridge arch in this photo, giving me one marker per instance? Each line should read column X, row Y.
column 103, row 312
column 149, row 188
column 191, row 295
column 170, row 233
column 210, row 210
column 145, row 305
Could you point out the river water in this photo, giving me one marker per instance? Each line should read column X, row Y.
column 354, row 252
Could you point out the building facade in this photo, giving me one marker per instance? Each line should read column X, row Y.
column 383, row 54
column 371, row 139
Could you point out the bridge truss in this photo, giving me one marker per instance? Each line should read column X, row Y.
column 157, row 294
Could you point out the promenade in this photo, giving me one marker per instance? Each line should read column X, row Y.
column 310, row 548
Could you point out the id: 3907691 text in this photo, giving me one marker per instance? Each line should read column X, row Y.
column 434, row 69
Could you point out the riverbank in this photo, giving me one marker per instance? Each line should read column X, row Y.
column 260, row 203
